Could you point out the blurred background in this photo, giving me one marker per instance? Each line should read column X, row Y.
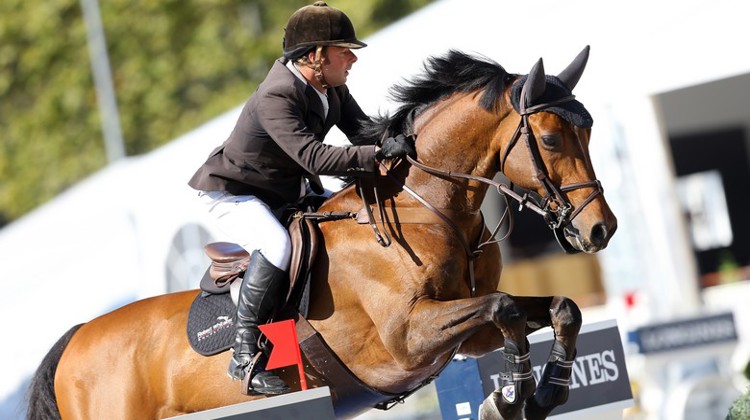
column 107, row 108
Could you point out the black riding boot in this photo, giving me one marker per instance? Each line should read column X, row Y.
column 260, row 292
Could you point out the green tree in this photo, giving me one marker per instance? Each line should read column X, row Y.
column 740, row 408
column 175, row 64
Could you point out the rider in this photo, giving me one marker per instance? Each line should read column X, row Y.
column 273, row 158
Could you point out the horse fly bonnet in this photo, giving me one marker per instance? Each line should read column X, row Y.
column 559, row 87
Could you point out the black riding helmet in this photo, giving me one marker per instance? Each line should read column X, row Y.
column 318, row 25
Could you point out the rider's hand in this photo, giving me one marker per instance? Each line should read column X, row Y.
column 394, row 147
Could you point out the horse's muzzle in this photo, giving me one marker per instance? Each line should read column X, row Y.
column 572, row 240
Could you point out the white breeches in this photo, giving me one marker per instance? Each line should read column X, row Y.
column 250, row 223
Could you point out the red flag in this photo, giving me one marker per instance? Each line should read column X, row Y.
column 283, row 336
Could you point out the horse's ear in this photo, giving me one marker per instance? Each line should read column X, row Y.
column 535, row 84
column 572, row 74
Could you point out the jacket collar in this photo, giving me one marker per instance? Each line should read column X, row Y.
column 313, row 100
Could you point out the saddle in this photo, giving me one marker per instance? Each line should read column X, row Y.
column 229, row 261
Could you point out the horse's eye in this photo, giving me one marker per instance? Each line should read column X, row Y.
column 551, row 141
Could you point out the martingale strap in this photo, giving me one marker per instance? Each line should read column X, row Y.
column 415, row 215
column 383, row 240
column 471, row 253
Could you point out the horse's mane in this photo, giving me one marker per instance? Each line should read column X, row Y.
column 443, row 76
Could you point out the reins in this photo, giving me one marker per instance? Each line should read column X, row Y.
column 385, row 241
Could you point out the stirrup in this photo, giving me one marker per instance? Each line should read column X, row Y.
column 256, row 380
column 259, row 381
column 239, row 369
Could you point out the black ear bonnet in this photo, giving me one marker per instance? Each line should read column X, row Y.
column 571, row 111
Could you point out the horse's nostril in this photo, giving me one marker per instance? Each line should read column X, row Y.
column 599, row 234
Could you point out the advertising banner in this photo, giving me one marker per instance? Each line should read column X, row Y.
column 599, row 381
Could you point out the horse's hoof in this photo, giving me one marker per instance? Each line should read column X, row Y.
column 544, row 400
column 490, row 408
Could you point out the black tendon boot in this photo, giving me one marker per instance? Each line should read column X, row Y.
column 260, row 292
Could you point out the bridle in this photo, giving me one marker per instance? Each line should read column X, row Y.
column 556, row 209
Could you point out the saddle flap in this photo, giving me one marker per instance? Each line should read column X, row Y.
column 305, row 242
column 211, row 285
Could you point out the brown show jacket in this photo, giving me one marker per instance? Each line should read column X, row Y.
column 278, row 139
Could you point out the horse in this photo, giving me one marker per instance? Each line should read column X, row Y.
column 393, row 299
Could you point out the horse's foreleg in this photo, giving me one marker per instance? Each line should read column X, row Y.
column 437, row 327
column 563, row 315
column 517, row 381
column 517, row 385
column 565, row 318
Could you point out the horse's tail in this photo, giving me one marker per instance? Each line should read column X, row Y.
column 42, row 403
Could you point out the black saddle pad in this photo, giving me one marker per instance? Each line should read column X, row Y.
column 211, row 323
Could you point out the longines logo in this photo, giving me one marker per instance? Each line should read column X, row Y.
column 600, row 367
column 588, row 370
column 223, row 322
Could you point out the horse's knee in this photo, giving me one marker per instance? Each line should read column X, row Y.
column 508, row 313
column 566, row 315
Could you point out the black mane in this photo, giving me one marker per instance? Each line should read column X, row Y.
column 442, row 77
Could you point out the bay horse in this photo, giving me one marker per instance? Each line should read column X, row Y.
column 394, row 312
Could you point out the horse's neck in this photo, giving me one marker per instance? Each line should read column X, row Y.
column 455, row 135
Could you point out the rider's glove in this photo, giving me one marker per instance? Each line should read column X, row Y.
column 394, row 147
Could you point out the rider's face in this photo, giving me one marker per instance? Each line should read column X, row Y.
column 338, row 61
